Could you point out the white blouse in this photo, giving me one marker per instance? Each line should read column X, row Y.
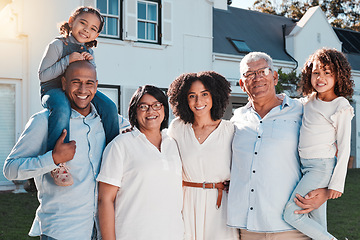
column 326, row 128
column 149, row 201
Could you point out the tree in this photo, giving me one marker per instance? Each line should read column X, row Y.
column 264, row 6
column 288, row 83
column 340, row 13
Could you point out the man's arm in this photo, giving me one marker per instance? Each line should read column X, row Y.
column 123, row 124
column 28, row 158
column 313, row 200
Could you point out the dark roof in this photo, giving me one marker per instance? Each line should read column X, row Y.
column 354, row 60
column 264, row 32
column 260, row 31
column 350, row 45
column 350, row 40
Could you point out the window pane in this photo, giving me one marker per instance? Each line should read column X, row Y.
column 114, row 7
column 150, row 31
column 112, row 28
column 101, row 5
column 142, row 10
column 152, row 12
column 141, row 30
column 7, row 122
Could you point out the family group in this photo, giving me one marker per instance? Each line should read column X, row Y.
column 265, row 174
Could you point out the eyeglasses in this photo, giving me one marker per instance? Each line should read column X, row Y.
column 262, row 72
column 145, row 107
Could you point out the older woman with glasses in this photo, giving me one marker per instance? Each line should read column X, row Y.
column 140, row 193
column 204, row 140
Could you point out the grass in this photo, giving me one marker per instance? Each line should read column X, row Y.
column 343, row 214
column 17, row 212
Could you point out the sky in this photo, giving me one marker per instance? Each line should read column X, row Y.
column 246, row 4
column 242, row 3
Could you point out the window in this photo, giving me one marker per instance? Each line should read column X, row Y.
column 111, row 11
column 111, row 91
column 9, row 119
column 240, row 45
column 148, row 21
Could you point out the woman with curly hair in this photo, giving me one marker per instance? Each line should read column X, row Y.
column 324, row 144
column 204, row 140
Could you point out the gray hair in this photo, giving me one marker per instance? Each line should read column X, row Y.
column 253, row 57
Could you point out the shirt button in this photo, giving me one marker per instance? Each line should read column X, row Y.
column 252, row 190
column 259, row 137
column 255, row 153
column 251, row 208
column 260, row 121
column 253, row 171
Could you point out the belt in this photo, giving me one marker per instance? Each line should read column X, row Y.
column 205, row 185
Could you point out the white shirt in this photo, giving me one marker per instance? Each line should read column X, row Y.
column 149, row 201
column 324, row 124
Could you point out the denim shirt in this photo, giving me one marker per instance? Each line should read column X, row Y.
column 64, row 212
column 265, row 166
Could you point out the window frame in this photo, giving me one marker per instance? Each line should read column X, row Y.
column 18, row 127
column 118, row 88
column 119, row 19
column 158, row 28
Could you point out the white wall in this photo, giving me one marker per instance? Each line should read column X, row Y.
column 118, row 62
column 29, row 25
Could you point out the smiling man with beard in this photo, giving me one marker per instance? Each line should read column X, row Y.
column 64, row 212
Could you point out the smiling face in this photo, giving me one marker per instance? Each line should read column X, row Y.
column 85, row 27
column 323, row 81
column 199, row 99
column 80, row 85
column 261, row 87
column 151, row 119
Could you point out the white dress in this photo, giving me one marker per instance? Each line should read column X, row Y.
column 206, row 162
column 149, row 201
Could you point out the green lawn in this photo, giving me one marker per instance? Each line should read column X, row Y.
column 17, row 212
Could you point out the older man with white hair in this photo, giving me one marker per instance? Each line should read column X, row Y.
column 265, row 164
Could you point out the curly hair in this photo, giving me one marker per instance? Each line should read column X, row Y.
column 215, row 83
column 65, row 28
column 340, row 67
column 158, row 94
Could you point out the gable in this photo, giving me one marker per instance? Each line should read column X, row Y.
column 314, row 22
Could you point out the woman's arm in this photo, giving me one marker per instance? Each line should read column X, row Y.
column 107, row 195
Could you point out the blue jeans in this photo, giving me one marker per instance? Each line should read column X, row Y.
column 316, row 174
column 60, row 110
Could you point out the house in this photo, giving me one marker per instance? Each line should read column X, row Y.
column 144, row 42
column 238, row 31
column 148, row 42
